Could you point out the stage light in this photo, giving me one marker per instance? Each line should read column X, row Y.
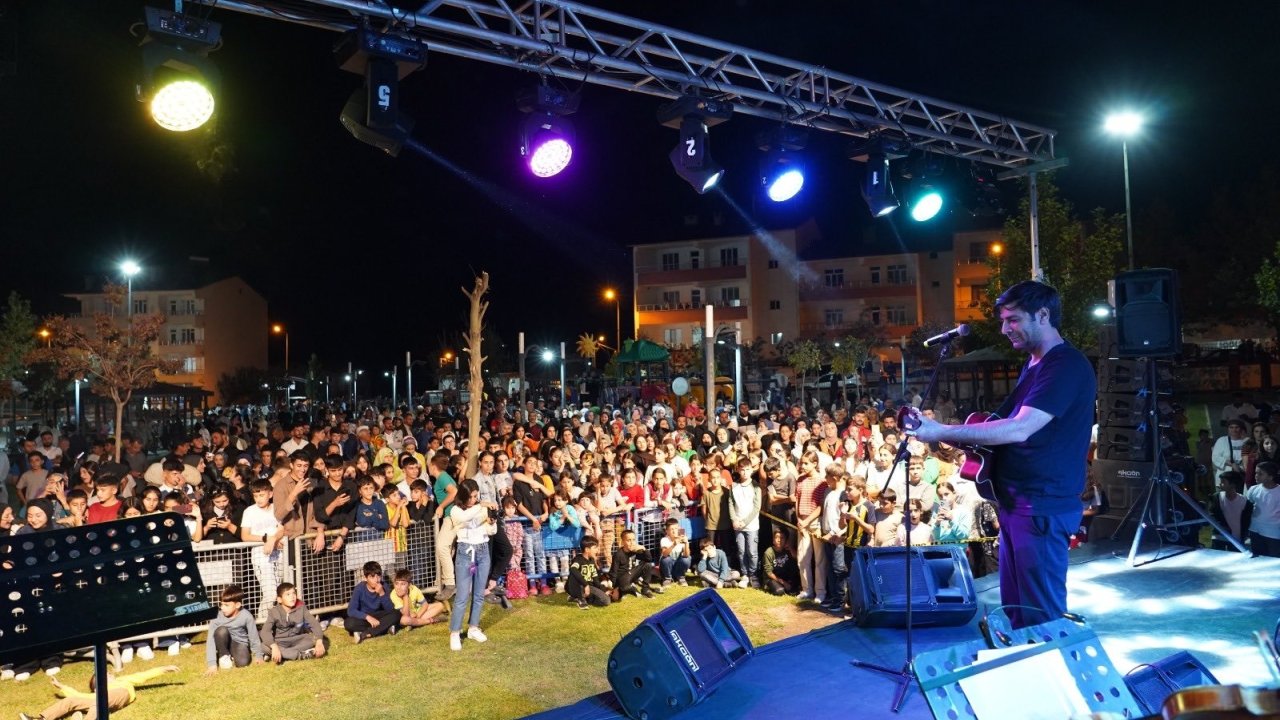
column 877, row 186
column 178, row 80
column 782, row 169
column 546, row 135
column 691, row 157
column 372, row 113
column 927, row 203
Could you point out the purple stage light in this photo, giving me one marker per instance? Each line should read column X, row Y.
column 549, row 156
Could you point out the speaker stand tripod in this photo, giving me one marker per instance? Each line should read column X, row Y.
column 1160, row 491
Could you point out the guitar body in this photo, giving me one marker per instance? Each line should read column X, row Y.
column 979, row 461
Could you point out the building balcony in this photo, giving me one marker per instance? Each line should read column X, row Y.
column 891, row 333
column 187, row 347
column 859, row 291
column 686, row 313
column 654, row 275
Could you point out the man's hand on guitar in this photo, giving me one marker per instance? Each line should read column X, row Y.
column 928, row 430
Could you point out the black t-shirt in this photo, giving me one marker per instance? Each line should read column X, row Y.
column 1046, row 472
column 343, row 514
column 534, row 499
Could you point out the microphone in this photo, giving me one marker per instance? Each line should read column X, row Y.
column 946, row 337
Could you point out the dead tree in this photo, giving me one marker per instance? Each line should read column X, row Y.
column 475, row 362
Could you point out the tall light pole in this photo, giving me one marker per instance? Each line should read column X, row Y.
column 129, row 268
column 562, row 396
column 279, row 329
column 997, row 249
column 395, row 371
column 611, row 294
column 524, row 415
column 46, row 336
column 1125, row 125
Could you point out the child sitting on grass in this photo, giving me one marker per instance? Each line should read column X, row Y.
column 414, row 609
column 233, row 635
column 291, row 632
column 714, row 566
column 370, row 612
column 586, row 585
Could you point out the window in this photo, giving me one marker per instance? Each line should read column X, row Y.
column 833, row 277
column 873, row 314
column 728, row 257
column 671, row 298
column 896, row 315
column 773, row 265
column 935, row 283
column 695, row 257
column 775, row 338
column 139, row 306
column 173, row 336
column 695, row 297
column 833, row 318
column 875, row 274
column 978, row 251
column 671, row 336
column 897, row 275
column 729, row 295
column 695, row 335
column 775, row 304
column 187, row 335
column 192, row 364
column 670, row 261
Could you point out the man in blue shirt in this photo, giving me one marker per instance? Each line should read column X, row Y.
column 1041, row 445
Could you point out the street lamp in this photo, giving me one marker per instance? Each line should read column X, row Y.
column 46, row 336
column 395, row 371
column 997, row 249
column 129, row 268
column 611, row 294
column 279, row 329
column 353, row 377
column 1125, row 125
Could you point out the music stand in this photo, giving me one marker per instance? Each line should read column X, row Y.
column 69, row 588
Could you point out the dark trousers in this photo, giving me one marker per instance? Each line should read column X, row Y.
column 837, row 571
column 1263, row 545
column 638, row 574
column 726, row 540
column 1033, row 564
column 224, row 645
column 500, row 550
column 593, row 595
column 387, row 619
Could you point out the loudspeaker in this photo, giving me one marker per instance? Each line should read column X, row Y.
column 1122, row 409
column 676, row 658
column 941, row 586
column 1122, row 376
column 1154, row 682
column 1122, row 443
column 1147, row 315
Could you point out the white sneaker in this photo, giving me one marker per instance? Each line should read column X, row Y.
column 475, row 633
column 6, row 673
column 145, row 653
column 52, row 671
column 175, row 648
column 184, row 642
column 22, row 677
column 804, row 596
column 225, row 662
column 455, row 641
column 126, row 655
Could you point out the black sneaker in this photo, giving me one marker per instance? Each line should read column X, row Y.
column 582, row 604
column 647, row 593
column 635, row 590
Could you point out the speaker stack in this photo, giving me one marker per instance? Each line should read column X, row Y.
column 1134, row 377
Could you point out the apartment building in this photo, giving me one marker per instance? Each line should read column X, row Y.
column 210, row 330
column 760, row 283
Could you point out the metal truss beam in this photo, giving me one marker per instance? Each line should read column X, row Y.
column 577, row 42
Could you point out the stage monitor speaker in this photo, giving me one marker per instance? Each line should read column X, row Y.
column 941, row 586
column 1154, row 682
column 676, row 658
column 1147, row 313
column 1119, row 443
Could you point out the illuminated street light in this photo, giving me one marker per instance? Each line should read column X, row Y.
column 616, row 297
column 279, row 329
column 129, row 268
column 1125, row 125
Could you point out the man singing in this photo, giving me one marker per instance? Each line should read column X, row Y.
column 1040, row 450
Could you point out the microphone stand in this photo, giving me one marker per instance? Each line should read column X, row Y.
column 905, row 676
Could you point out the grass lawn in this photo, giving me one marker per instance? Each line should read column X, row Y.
column 544, row 653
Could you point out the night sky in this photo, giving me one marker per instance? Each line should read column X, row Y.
column 362, row 255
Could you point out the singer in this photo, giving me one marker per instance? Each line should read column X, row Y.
column 1040, row 452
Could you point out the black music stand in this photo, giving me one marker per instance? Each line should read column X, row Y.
column 74, row 587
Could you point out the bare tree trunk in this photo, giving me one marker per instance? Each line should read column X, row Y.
column 475, row 362
column 119, row 422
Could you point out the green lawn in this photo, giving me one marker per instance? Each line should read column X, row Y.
column 542, row 654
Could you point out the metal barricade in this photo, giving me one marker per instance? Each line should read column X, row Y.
column 325, row 579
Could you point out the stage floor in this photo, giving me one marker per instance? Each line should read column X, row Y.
column 1204, row 601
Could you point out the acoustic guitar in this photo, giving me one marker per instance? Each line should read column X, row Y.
column 979, row 461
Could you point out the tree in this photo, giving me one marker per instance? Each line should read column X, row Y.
column 114, row 354
column 17, row 338
column 804, row 357
column 315, row 370
column 1078, row 257
column 475, row 362
column 1267, row 282
column 848, row 355
column 242, row 385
